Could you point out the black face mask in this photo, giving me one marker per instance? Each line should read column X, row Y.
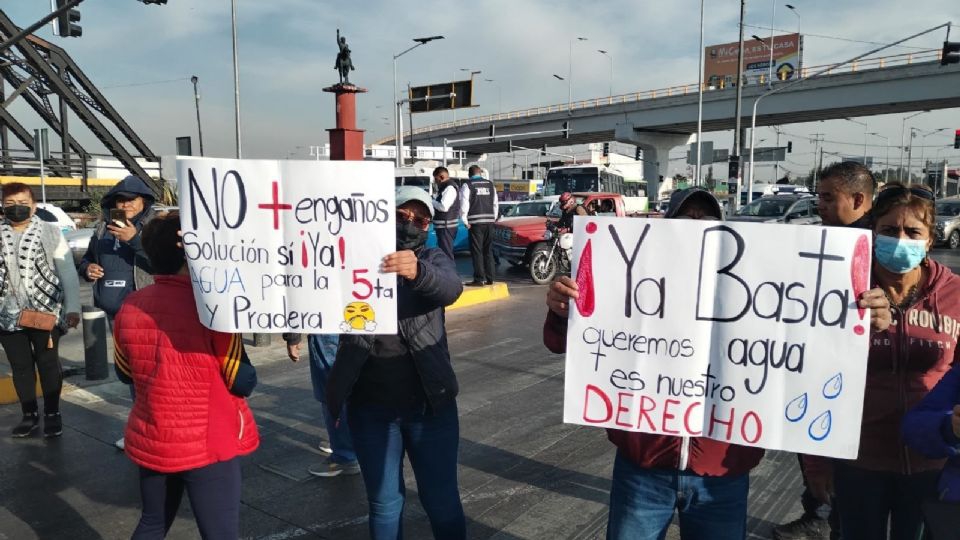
column 17, row 213
column 409, row 236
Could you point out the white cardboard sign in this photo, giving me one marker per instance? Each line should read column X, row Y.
column 289, row 246
column 742, row 332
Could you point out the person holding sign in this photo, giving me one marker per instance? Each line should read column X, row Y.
column 882, row 490
column 401, row 389
column 705, row 480
column 39, row 300
column 190, row 423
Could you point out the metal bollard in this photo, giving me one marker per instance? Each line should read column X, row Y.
column 95, row 343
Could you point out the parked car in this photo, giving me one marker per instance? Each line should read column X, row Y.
column 66, row 222
column 948, row 222
column 78, row 240
column 515, row 240
column 797, row 209
column 531, row 208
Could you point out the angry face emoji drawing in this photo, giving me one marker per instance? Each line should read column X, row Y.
column 358, row 316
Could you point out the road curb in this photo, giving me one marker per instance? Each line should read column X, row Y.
column 473, row 296
column 8, row 394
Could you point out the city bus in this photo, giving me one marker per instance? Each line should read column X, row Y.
column 595, row 178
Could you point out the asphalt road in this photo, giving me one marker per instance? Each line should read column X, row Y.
column 523, row 473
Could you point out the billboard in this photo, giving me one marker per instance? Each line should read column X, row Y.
column 720, row 61
column 436, row 97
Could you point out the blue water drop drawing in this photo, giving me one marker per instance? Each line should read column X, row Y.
column 820, row 427
column 797, row 408
column 833, row 386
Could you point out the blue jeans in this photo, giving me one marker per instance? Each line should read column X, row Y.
column 868, row 499
column 323, row 353
column 642, row 502
column 381, row 436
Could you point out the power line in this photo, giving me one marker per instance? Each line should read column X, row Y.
column 838, row 38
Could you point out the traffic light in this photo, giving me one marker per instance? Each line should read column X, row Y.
column 956, row 139
column 606, row 149
column 733, row 168
column 789, row 147
column 67, row 22
column 638, row 155
column 543, row 150
column 566, row 130
column 510, row 146
column 493, row 132
column 951, row 53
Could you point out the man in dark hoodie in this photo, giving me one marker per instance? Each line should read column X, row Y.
column 115, row 259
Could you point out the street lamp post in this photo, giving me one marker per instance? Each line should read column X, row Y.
column 570, row 71
column 770, row 48
column 395, row 103
column 797, row 13
column 610, row 58
column 499, row 95
column 472, row 72
column 864, row 124
column 886, row 159
column 773, row 24
column 196, row 100
column 236, row 77
column 903, row 125
column 923, row 143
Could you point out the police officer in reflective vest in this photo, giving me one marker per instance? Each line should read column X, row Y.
column 446, row 210
column 478, row 209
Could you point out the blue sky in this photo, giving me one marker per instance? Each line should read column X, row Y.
column 287, row 51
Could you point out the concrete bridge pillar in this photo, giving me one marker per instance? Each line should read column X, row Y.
column 656, row 151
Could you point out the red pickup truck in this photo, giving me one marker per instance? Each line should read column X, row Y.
column 515, row 240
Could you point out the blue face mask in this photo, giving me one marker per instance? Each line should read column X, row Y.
column 899, row 255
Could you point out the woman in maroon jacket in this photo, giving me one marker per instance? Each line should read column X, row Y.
column 887, row 482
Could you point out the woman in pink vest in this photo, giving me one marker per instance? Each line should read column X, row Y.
column 190, row 422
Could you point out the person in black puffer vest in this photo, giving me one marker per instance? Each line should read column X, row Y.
column 401, row 390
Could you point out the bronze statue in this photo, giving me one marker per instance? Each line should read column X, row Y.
column 344, row 64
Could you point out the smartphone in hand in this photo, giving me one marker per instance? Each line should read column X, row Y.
column 118, row 218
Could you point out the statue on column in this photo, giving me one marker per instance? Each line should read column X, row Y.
column 344, row 64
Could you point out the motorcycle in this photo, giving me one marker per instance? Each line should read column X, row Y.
column 553, row 257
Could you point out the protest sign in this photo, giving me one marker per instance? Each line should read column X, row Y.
column 742, row 332
column 289, row 246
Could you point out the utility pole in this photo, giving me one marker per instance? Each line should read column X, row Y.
column 817, row 150
column 739, row 137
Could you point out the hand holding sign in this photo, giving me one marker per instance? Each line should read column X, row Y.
column 734, row 336
column 290, row 246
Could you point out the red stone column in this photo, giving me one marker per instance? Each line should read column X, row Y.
column 346, row 141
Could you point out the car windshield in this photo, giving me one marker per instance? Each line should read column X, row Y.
column 538, row 208
column 766, row 207
column 948, row 208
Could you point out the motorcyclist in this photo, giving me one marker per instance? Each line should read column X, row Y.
column 570, row 208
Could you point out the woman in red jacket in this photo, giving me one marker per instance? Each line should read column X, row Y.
column 879, row 495
column 190, row 422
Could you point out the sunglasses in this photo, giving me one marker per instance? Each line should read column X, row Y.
column 405, row 216
column 896, row 191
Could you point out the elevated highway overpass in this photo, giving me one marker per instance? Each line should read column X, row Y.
column 658, row 120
